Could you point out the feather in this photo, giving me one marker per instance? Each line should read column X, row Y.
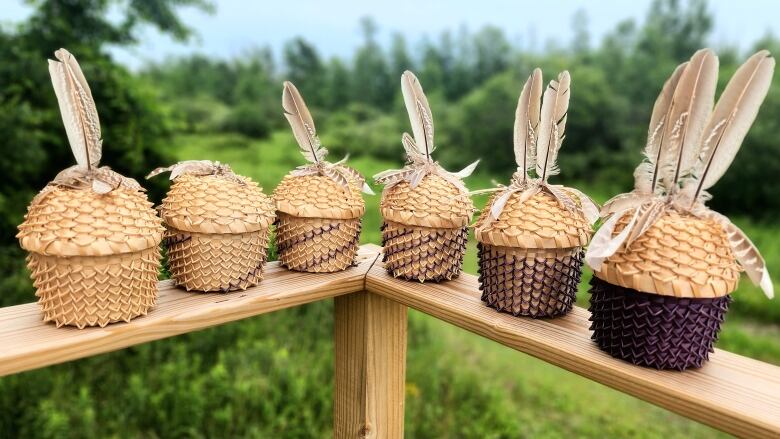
column 589, row 209
column 419, row 113
column 410, row 147
column 302, row 124
column 334, row 174
column 465, row 172
column 417, row 177
column 498, row 205
column 748, row 256
column 603, row 244
column 648, row 215
column 733, row 115
column 691, row 105
column 552, row 125
column 646, row 176
column 79, row 114
column 560, row 194
column 527, row 121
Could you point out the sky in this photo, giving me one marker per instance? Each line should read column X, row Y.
column 333, row 25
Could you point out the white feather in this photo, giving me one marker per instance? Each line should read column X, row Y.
column 733, row 115
column 79, row 114
column 419, row 113
column 552, row 125
column 527, row 121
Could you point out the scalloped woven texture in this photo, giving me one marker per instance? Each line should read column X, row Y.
column 434, row 202
column 680, row 255
column 317, row 245
column 527, row 284
column 95, row 291
column 539, row 222
column 662, row 332
column 76, row 222
column 216, row 262
column 316, row 196
column 216, row 204
column 421, row 253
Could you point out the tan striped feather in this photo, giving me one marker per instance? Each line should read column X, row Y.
column 552, row 125
column 79, row 114
column 527, row 121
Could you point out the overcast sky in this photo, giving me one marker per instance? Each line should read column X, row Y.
column 333, row 25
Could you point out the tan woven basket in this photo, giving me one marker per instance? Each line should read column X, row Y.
column 680, row 256
column 94, row 258
column 217, row 231
column 425, row 229
column 319, row 221
column 660, row 301
column 531, row 256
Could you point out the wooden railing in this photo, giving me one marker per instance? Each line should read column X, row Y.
column 735, row 394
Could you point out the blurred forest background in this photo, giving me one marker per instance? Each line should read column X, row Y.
column 271, row 376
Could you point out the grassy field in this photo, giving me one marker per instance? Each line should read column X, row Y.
column 464, row 386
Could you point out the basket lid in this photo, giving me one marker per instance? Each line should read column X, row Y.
column 679, row 255
column 64, row 221
column 537, row 223
column 318, row 196
column 434, row 202
column 216, row 204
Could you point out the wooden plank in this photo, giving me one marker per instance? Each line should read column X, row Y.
column 370, row 367
column 732, row 393
column 28, row 343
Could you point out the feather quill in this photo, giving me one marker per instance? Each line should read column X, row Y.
column 733, row 115
column 419, row 113
column 552, row 125
column 79, row 114
column 299, row 117
column 527, row 121
column 691, row 105
column 751, row 260
column 646, row 174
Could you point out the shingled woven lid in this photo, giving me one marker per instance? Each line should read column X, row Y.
column 216, row 204
column 64, row 221
column 318, row 196
column 680, row 255
column 537, row 223
column 434, row 202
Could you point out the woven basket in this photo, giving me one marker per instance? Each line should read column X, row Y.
column 660, row 302
column 530, row 258
column 217, row 229
column 318, row 225
column 425, row 231
column 94, row 258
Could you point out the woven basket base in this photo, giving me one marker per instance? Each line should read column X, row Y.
column 317, row 245
column 662, row 332
column 95, row 290
column 421, row 253
column 520, row 283
column 216, row 262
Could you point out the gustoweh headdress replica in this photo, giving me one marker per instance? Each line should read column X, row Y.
column 426, row 209
column 664, row 263
column 92, row 235
column 531, row 234
column 217, row 227
column 319, row 204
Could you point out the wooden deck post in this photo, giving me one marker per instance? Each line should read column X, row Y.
column 370, row 369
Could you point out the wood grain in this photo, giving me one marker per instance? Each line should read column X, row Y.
column 29, row 343
column 732, row 393
column 370, row 367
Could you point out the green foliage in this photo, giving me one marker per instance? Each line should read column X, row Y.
column 246, row 118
